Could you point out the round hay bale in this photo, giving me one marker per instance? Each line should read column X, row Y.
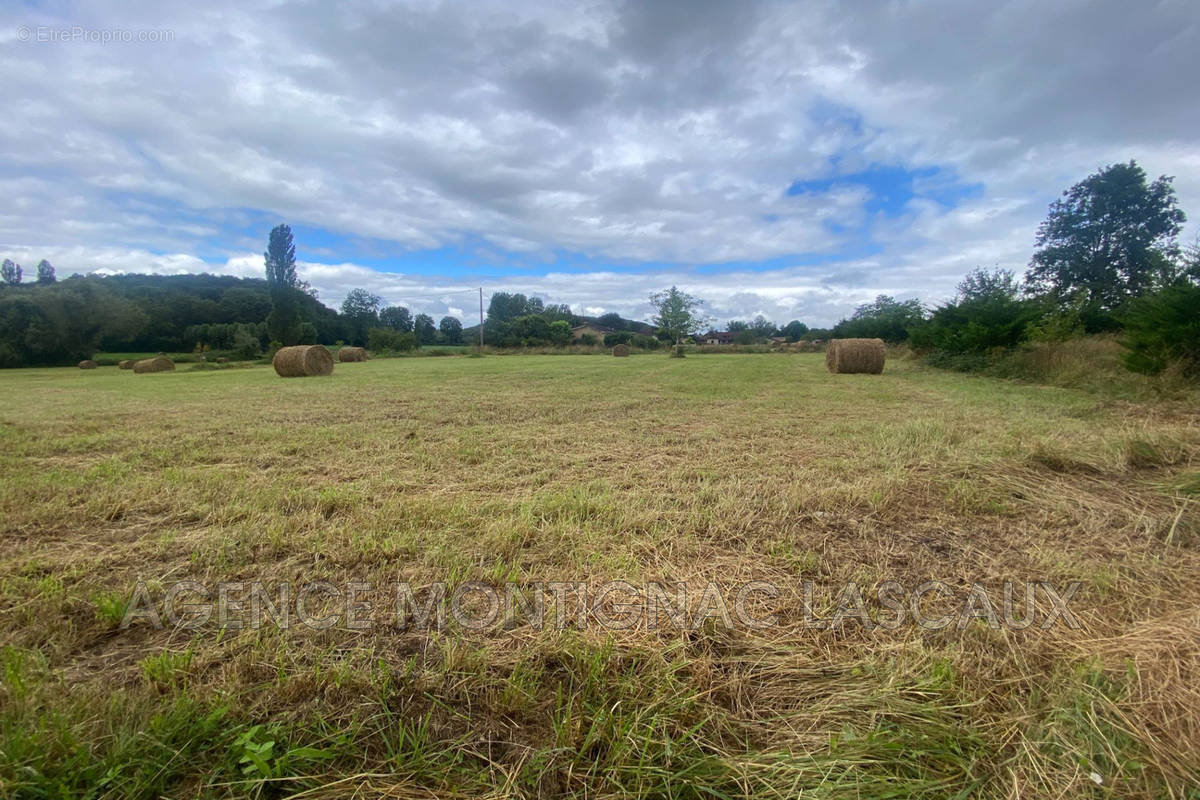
column 88, row 364
column 126, row 364
column 621, row 350
column 156, row 364
column 846, row 356
column 303, row 360
column 352, row 354
column 222, row 360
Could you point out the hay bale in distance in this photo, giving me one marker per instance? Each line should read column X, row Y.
column 156, row 364
column 88, row 364
column 126, row 364
column 302, row 361
column 222, row 360
column 352, row 354
column 621, row 350
column 845, row 356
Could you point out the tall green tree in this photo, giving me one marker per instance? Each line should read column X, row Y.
column 398, row 318
column 559, row 311
column 10, row 272
column 503, row 309
column 45, row 272
column 451, row 329
column 762, row 327
column 361, row 303
column 794, row 330
column 281, row 258
column 1110, row 236
column 361, row 310
column 504, row 306
column 884, row 318
column 284, row 321
column 678, row 313
column 424, row 329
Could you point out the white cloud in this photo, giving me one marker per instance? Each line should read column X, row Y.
column 632, row 134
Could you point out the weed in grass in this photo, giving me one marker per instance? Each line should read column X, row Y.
column 110, row 607
column 167, row 667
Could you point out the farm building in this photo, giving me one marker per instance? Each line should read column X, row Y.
column 597, row 331
column 717, row 337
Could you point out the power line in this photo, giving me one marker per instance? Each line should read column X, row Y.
column 437, row 296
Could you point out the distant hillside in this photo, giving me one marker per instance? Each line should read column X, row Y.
column 67, row 321
column 64, row 322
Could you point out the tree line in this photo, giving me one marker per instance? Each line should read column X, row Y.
column 1106, row 260
column 51, row 322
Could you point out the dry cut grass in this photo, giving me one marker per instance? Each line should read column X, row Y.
column 713, row 468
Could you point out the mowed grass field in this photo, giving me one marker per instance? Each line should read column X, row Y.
column 711, row 469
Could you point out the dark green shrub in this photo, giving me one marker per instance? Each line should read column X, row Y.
column 308, row 333
column 1162, row 329
column 987, row 314
column 388, row 340
column 245, row 346
column 617, row 337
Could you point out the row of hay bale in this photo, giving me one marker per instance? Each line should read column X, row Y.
column 846, row 356
column 156, row 364
column 289, row 362
column 308, row 360
column 842, row 356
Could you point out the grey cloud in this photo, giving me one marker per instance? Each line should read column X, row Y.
column 628, row 132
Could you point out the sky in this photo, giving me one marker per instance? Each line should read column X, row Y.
column 789, row 159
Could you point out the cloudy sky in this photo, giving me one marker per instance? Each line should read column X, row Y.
column 790, row 159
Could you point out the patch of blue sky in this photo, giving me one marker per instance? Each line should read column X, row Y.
column 891, row 188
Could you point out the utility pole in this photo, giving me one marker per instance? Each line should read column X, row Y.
column 481, row 319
